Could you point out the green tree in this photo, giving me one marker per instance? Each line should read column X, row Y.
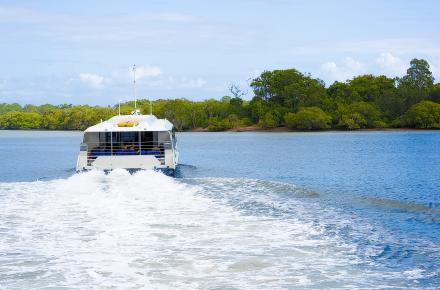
column 269, row 120
column 371, row 88
column 309, row 118
column 236, row 107
column 258, row 107
column 82, row 117
column 289, row 88
column 20, row 120
column 379, row 90
column 215, row 124
column 434, row 94
column 352, row 121
column 4, row 108
column 424, row 115
column 53, row 119
column 417, row 83
column 262, row 86
column 178, row 112
column 418, row 74
column 343, row 92
column 360, row 115
column 233, row 121
column 215, row 108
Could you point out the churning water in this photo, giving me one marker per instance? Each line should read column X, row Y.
column 260, row 217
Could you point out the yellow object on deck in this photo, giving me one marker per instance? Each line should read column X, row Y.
column 128, row 124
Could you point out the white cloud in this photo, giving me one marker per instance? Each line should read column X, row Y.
column 146, row 77
column 385, row 63
column 67, row 26
column 391, row 64
column 192, row 83
column 147, row 72
column 409, row 46
column 92, row 80
column 349, row 68
column 329, row 67
column 353, row 64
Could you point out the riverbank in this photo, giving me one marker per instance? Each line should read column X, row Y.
column 251, row 129
column 243, row 129
column 285, row 129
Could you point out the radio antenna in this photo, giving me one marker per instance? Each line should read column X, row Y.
column 134, row 87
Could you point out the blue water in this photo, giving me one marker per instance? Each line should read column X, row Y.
column 373, row 199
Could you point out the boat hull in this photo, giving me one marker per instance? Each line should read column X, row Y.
column 167, row 171
column 130, row 163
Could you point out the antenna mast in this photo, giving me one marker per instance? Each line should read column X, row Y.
column 134, row 87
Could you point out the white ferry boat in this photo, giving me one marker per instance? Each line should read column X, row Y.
column 131, row 142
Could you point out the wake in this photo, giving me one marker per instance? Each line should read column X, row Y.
column 122, row 230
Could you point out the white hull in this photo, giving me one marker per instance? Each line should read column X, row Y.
column 127, row 162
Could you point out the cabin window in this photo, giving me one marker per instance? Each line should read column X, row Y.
column 163, row 137
column 127, row 143
column 128, row 137
column 147, row 137
column 104, row 138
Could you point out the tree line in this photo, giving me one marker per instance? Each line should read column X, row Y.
column 280, row 98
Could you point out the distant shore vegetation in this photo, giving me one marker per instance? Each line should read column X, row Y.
column 281, row 98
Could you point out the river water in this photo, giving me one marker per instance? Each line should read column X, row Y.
column 338, row 210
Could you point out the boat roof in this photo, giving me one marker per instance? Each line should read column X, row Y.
column 130, row 123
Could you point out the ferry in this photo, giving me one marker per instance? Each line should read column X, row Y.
column 131, row 142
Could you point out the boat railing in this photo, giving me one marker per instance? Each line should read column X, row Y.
column 97, row 149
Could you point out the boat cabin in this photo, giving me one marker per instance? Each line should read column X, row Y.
column 131, row 142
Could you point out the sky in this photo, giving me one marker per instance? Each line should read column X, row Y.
column 82, row 52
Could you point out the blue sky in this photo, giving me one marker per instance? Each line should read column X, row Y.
column 82, row 51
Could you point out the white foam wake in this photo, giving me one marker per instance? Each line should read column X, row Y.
column 147, row 230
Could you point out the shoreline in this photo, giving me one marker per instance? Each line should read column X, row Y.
column 285, row 129
column 251, row 129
